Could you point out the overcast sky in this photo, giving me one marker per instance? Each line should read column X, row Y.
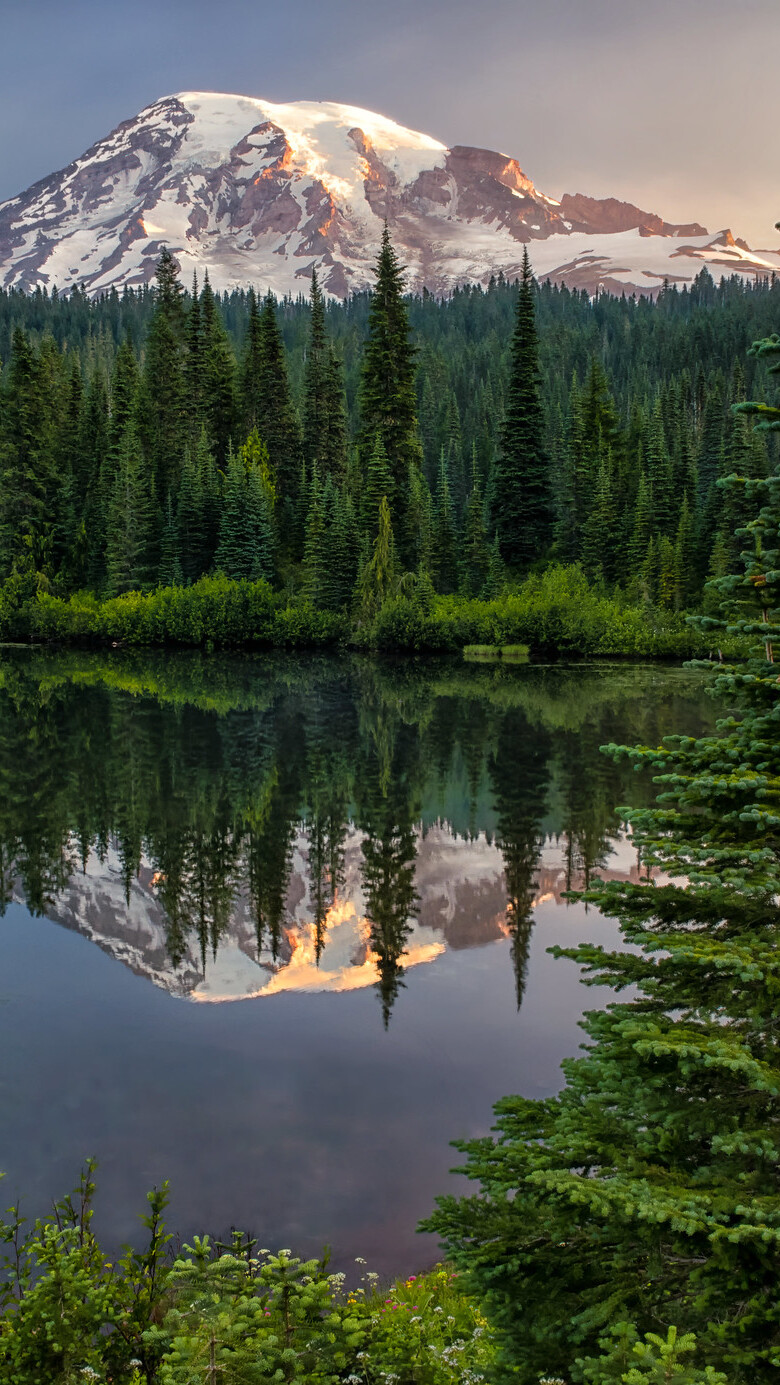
column 671, row 104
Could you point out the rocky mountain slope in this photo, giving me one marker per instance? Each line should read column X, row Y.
column 261, row 193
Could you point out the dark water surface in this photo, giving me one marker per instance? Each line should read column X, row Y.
column 276, row 929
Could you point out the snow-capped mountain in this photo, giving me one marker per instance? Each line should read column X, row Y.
column 261, row 193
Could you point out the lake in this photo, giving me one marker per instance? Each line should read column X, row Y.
column 276, row 929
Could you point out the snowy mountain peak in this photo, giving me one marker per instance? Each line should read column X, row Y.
column 258, row 192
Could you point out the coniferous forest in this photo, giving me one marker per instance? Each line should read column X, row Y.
column 373, row 466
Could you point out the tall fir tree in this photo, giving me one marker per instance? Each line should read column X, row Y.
column 324, row 420
column 388, row 399
column 129, row 520
column 27, row 476
column 445, row 540
column 217, row 377
column 522, row 500
column 163, row 417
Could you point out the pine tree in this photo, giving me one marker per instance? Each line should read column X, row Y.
column 659, row 474
column 476, row 555
column 642, row 527
column 217, row 377
column 388, row 400
column 598, row 531
column 684, row 556
column 191, row 521
column 170, row 570
column 377, row 579
column 193, row 364
column 125, row 382
column 495, row 582
column 445, row 543
column 28, row 483
column 419, row 521
column 129, row 519
column 261, row 529
column 163, row 421
column 522, row 503
column 211, row 493
column 324, row 422
column 252, row 366
column 315, row 566
column 275, row 416
column 377, row 485
column 235, row 555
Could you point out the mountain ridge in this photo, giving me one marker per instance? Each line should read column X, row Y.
column 259, row 192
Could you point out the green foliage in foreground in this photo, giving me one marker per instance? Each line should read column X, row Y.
column 234, row 1314
column 553, row 612
column 649, row 1189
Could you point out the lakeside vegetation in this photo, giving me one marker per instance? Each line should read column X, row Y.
column 554, row 613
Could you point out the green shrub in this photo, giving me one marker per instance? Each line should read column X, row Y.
column 553, row 613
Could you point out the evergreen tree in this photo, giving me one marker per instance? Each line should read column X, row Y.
column 129, row 519
column 315, row 557
column 476, row 554
column 377, row 579
column 377, row 485
column 522, row 503
column 388, row 401
column 275, row 419
column 445, row 544
column 324, row 422
column 191, row 521
column 217, row 377
column 27, row 480
column 170, row 569
column 193, row 364
column 163, row 424
column 235, row 551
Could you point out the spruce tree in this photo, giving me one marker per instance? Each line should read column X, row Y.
column 324, row 422
column 522, row 501
column 388, row 400
column 129, row 522
column 193, row 363
column 377, row 579
column 315, row 574
column 235, row 550
column 191, row 521
column 476, row 554
column 276, row 419
column 377, row 485
column 217, row 377
column 445, row 541
column 27, row 478
column 163, row 419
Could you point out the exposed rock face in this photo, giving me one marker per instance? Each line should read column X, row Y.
column 261, row 193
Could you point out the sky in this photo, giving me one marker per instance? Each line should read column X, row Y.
column 670, row 104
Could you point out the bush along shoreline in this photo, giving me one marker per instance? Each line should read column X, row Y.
column 237, row 1314
column 554, row 613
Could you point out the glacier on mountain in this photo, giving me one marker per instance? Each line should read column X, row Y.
column 262, row 193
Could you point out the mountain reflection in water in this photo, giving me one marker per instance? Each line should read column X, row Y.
column 234, row 828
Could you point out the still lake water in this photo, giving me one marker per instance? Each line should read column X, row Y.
column 275, row 929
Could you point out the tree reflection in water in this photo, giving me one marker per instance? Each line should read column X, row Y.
column 293, row 794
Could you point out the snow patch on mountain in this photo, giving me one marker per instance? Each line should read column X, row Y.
column 260, row 192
